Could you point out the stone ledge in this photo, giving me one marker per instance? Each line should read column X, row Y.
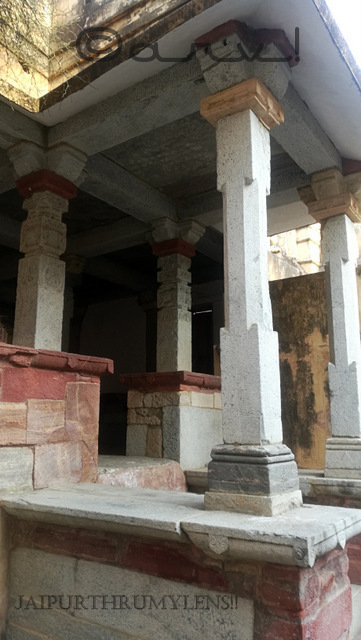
column 297, row 538
column 54, row 360
column 313, row 486
column 171, row 381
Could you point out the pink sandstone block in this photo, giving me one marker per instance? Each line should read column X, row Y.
column 12, row 423
column 89, row 459
column 57, row 463
column 82, row 410
column 165, row 475
column 298, row 604
column 354, row 556
column 46, row 423
column 20, row 384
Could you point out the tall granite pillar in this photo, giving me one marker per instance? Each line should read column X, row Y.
column 45, row 178
column 174, row 321
column 337, row 208
column 252, row 471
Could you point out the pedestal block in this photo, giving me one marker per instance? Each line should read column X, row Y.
column 49, row 417
column 175, row 415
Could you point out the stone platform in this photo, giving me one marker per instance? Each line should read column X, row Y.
column 142, row 563
column 297, row 538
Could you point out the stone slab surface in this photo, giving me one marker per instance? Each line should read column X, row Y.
column 96, row 506
column 295, row 538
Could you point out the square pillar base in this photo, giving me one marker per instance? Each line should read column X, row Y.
column 257, row 479
column 256, row 505
column 343, row 458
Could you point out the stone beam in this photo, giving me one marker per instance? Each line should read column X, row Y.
column 14, row 126
column 7, row 181
column 214, row 216
column 206, row 208
column 111, row 237
column 133, row 279
column 285, row 176
column 110, row 183
column 159, row 100
column 302, row 137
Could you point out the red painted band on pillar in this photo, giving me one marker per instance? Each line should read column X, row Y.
column 176, row 245
column 45, row 180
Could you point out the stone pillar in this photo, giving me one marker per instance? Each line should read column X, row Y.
column 252, row 471
column 338, row 209
column 308, row 248
column 41, row 274
column 174, row 322
column 174, row 325
column 45, row 178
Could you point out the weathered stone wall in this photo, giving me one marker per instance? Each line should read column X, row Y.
column 299, row 315
column 125, row 587
column 49, row 407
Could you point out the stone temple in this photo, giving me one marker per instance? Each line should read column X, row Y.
column 180, row 439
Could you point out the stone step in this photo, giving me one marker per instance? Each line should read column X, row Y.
column 143, row 473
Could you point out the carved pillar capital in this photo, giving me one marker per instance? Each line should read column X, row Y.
column 234, row 52
column 330, row 194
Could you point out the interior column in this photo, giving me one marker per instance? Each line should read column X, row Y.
column 174, row 319
column 46, row 178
